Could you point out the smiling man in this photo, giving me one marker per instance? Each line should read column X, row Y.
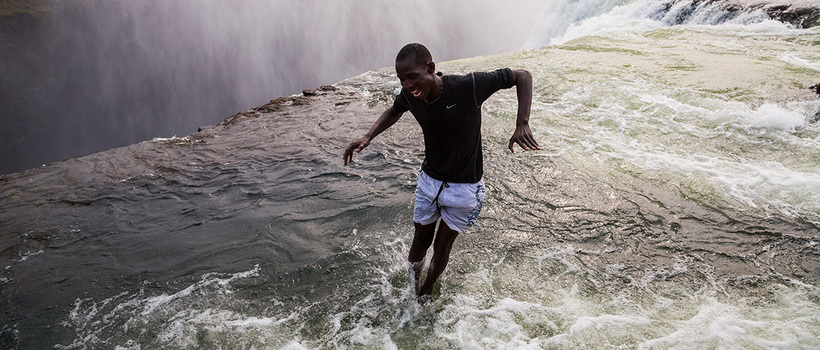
column 448, row 109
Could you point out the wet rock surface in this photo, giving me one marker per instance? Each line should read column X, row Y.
column 799, row 13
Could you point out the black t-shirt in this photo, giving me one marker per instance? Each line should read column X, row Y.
column 452, row 124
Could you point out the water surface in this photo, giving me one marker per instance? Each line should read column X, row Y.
column 674, row 205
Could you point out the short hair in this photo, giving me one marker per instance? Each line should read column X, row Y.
column 417, row 52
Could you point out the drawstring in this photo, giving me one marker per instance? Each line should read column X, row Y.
column 443, row 185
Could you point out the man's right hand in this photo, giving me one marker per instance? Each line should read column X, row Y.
column 388, row 118
column 357, row 146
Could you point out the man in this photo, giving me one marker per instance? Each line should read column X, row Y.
column 448, row 109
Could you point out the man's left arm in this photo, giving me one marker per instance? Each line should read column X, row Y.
column 523, row 135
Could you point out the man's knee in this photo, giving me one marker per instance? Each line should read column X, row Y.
column 446, row 235
column 422, row 239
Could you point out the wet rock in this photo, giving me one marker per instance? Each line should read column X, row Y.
column 799, row 13
column 279, row 103
column 801, row 16
column 320, row 91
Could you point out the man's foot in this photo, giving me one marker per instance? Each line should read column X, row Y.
column 426, row 289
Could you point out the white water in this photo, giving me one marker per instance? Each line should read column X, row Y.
column 647, row 125
column 564, row 20
column 545, row 300
column 691, row 139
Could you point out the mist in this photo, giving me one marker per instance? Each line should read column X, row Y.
column 99, row 74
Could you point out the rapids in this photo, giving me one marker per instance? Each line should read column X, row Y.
column 675, row 204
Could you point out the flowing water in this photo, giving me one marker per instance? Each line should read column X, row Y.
column 675, row 204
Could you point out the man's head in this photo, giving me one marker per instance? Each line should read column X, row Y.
column 416, row 52
column 416, row 72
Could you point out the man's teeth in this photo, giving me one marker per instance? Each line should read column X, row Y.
column 416, row 93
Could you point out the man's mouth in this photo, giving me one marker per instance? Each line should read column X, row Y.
column 416, row 93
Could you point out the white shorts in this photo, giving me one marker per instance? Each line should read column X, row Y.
column 458, row 204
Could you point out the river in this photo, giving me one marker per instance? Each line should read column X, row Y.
column 675, row 203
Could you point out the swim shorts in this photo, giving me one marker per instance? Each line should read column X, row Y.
column 458, row 204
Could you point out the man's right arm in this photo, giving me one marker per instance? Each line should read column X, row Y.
column 386, row 120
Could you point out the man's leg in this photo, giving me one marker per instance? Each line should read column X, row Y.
column 441, row 255
column 422, row 240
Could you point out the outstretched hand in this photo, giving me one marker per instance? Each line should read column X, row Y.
column 357, row 146
column 523, row 137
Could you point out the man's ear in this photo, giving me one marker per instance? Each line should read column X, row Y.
column 431, row 68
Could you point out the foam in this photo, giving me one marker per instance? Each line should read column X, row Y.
column 558, row 16
column 466, row 316
column 721, row 149
column 773, row 116
column 697, row 316
column 177, row 319
column 575, row 323
column 722, row 325
column 619, row 20
column 796, row 60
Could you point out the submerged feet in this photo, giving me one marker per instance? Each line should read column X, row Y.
column 427, row 287
column 425, row 291
column 422, row 240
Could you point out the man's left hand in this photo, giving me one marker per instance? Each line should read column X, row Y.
column 523, row 137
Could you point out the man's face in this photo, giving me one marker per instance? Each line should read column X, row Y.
column 417, row 79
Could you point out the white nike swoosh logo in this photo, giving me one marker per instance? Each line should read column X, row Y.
column 452, row 105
